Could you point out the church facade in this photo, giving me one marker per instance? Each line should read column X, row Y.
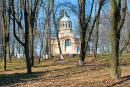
column 69, row 44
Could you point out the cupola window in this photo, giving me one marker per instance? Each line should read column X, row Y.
column 63, row 25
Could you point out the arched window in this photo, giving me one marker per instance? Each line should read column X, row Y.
column 67, row 42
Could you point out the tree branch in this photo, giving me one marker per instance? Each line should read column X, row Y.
column 123, row 16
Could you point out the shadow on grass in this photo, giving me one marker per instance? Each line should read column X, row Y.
column 17, row 79
column 11, row 79
column 124, row 79
column 21, row 78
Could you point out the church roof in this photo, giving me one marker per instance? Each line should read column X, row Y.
column 65, row 18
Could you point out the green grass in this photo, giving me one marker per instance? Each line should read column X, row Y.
column 106, row 58
column 103, row 58
column 17, row 64
column 126, row 56
column 74, row 59
column 14, row 64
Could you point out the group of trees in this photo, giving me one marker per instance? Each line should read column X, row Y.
column 117, row 16
column 20, row 19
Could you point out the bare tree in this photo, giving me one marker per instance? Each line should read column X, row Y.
column 47, row 8
column 85, row 31
column 117, row 18
column 28, row 19
column 125, row 36
column 96, row 32
column 56, row 26
column 4, row 33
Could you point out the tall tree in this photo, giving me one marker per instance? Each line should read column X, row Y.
column 96, row 38
column 117, row 18
column 85, row 30
column 56, row 28
column 33, row 12
column 0, row 34
column 4, row 33
column 8, row 46
column 48, row 11
column 96, row 32
column 126, row 35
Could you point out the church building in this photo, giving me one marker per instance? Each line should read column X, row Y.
column 69, row 44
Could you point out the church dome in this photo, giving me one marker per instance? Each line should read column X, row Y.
column 65, row 23
column 65, row 18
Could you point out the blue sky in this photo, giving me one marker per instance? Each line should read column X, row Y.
column 73, row 17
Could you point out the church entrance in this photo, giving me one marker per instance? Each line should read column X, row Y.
column 68, row 47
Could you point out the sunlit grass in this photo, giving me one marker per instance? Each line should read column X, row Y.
column 103, row 58
column 73, row 59
column 106, row 58
column 17, row 64
column 126, row 56
column 14, row 64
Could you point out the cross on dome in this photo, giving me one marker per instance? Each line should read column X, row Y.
column 65, row 18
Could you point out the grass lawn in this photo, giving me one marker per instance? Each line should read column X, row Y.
column 65, row 73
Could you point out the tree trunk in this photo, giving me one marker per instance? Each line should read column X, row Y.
column 84, row 26
column 8, row 52
column 82, row 51
column 48, row 38
column 57, row 32
column 31, row 42
column 61, row 55
column 27, row 41
column 27, row 48
column 115, row 38
column 28, row 59
column 96, row 39
column 4, row 31
column 115, row 68
column 81, row 4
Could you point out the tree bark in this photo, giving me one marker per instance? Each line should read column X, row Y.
column 4, row 31
column 32, row 22
column 81, row 4
column 117, row 22
column 48, row 11
column 96, row 39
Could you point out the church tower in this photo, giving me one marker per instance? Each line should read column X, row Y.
column 65, row 26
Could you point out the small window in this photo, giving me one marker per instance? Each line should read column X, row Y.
column 67, row 42
column 63, row 24
column 66, row 24
column 69, row 24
